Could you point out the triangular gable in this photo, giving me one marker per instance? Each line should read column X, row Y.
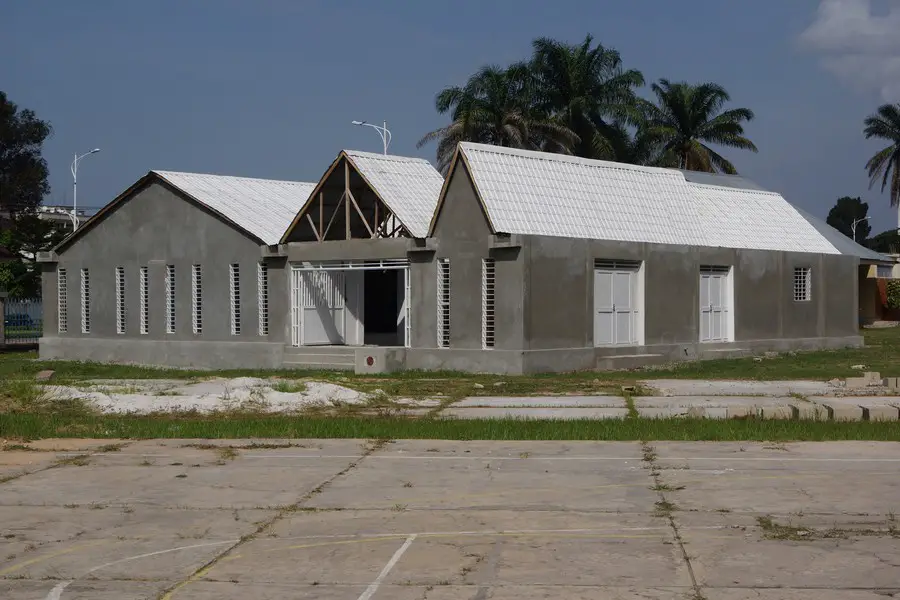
column 397, row 196
column 145, row 181
column 459, row 161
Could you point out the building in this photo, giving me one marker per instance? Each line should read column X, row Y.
column 171, row 273
column 519, row 262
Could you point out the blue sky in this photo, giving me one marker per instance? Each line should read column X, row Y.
column 267, row 88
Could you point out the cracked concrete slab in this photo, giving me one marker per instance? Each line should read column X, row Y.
column 701, row 387
column 858, row 408
column 432, row 519
column 542, row 401
column 558, row 413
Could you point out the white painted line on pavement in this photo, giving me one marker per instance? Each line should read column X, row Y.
column 373, row 587
column 58, row 589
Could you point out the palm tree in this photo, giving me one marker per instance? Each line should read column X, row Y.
column 640, row 148
column 496, row 106
column 688, row 117
column 885, row 125
column 587, row 91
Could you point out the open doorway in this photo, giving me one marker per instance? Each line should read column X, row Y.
column 381, row 314
column 350, row 303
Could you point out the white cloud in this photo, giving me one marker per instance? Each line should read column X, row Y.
column 860, row 47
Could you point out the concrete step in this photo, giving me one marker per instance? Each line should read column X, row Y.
column 628, row 361
column 320, row 357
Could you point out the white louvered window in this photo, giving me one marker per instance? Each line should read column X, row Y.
column 262, row 292
column 197, row 299
column 487, row 303
column 120, row 300
column 235, row 296
column 62, row 301
column 443, row 303
column 143, row 285
column 85, row 301
column 170, row 298
column 802, row 284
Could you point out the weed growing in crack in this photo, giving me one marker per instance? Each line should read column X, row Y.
column 398, row 507
column 664, row 508
column 80, row 460
column 665, row 487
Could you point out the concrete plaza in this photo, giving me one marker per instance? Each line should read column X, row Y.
column 440, row 520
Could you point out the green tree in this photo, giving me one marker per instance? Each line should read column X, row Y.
column 23, row 171
column 687, row 118
column 27, row 236
column 885, row 164
column 496, row 106
column 585, row 87
column 845, row 212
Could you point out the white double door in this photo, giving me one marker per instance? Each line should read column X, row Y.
column 715, row 304
column 617, row 304
column 318, row 301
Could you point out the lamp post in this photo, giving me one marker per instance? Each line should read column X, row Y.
column 383, row 132
column 854, row 224
column 74, row 215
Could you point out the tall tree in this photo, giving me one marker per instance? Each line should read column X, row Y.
column 847, row 211
column 496, row 106
column 29, row 234
column 885, row 164
column 23, row 171
column 687, row 118
column 585, row 87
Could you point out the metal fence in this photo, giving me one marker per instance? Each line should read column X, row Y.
column 23, row 321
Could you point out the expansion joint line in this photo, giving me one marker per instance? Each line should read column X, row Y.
column 266, row 525
column 665, row 509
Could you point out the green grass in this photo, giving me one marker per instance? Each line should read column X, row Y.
column 31, row 426
column 882, row 353
column 26, row 411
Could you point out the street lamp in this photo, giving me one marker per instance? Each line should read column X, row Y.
column 383, row 132
column 74, row 215
column 853, row 226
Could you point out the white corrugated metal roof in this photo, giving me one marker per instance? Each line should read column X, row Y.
column 410, row 187
column 537, row 193
column 263, row 207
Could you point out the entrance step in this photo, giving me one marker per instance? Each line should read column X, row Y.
column 628, row 361
column 320, row 357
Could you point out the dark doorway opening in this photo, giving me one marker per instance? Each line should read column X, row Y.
column 381, row 290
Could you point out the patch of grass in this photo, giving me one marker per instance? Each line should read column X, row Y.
column 778, row 531
column 289, row 387
column 25, row 396
column 34, row 426
column 226, row 453
column 664, row 508
column 80, row 460
column 110, row 448
column 665, row 487
column 881, row 353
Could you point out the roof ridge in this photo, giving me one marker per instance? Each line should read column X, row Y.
column 733, row 189
column 387, row 157
column 568, row 158
column 163, row 173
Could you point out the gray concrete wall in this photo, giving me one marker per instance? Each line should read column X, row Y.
column 198, row 354
column 154, row 228
column 463, row 236
column 560, row 270
column 362, row 249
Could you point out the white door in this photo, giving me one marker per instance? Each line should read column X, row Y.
column 714, row 301
column 318, row 307
column 616, row 304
